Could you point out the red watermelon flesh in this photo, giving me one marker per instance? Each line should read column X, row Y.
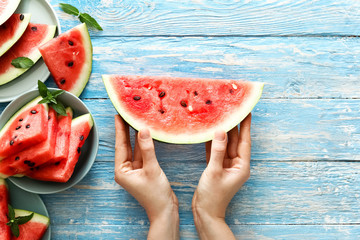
column 4, row 199
column 34, row 229
column 26, row 128
column 32, row 157
column 61, row 171
column 69, row 59
column 7, row 8
column 27, row 46
column 12, row 30
column 182, row 110
column 63, row 136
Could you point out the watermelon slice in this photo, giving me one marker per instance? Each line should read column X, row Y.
column 34, row 229
column 7, row 8
column 182, row 110
column 34, row 156
column 4, row 199
column 27, row 46
column 26, row 127
column 62, row 171
column 69, row 59
column 12, row 30
column 63, row 136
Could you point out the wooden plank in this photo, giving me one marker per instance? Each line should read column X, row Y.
column 290, row 67
column 206, row 17
column 244, row 232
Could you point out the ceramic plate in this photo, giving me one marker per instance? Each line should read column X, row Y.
column 21, row 199
column 88, row 151
column 41, row 12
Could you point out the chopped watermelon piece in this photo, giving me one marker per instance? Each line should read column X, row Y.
column 26, row 127
column 34, row 156
column 27, row 46
column 34, row 229
column 63, row 136
column 7, row 8
column 4, row 200
column 12, row 30
column 63, row 170
column 69, row 59
column 182, row 110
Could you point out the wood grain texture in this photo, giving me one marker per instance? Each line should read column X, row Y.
column 290, row 67
column 207, row 17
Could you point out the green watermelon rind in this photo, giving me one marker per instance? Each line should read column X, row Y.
column 204, row 136
column 38, row 218
column 10, row 10
column 81, row 119
column 29, row 105
column 35, row 55
column 19, row 32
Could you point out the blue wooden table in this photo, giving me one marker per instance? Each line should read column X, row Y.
column 306, row 128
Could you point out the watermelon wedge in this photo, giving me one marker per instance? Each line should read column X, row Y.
column 26, row 127
column 69, row 59
column 7, row 8
column 27, row 46
column 63, row 136
column 34, row 229
column 4, row 199
column 12, row 30
column 34, row 156
column 63, row 170
column 182, row 110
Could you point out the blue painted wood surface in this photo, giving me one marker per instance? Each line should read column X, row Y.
column 305, row 131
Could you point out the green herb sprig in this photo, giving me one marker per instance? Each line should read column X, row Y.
column 14, row 222
column 22, row 62
column 83, row 17
column 50, row 98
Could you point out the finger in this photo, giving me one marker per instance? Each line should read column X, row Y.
column 208, row 150
column 218, row 150
column 233, row 136
column 122, row 143
column 244, row 145
column 137, row 163
column 147, row 149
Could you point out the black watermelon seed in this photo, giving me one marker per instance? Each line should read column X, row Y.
column 162, row 111
column 28, row 126
column 208, row 102
column 32, row 169
column 70, row 43
column 37, row 168
column 82, row 137
column 11, row 142
column 162, row 94
column 49, row 117
column 21, row 17
column 57, row 163
column 15, row 137
column 31, row 164
column 34, row 112
column 20, row 120
column 26, row 162
column 196, row 93
column 18, row 127
column 231, row 91
column 62, row 81
column 79, row 149
column 34, row 28
column 70, row 64
column 137, row 98
column 17, row 158
column 183, row 103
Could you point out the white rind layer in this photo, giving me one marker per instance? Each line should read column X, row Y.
column 19, row 32
column 35, row 55
column 9, row 10
column 37, row 218
column 208, row 134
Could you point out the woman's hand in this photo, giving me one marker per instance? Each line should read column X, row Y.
column 228, row 157
column 140, row 174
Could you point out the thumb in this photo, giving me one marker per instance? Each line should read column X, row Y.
column 218, row 150
column 147, row 148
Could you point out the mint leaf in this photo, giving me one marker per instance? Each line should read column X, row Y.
column 42, row 89
column 11, row 212
column 22, row 62
column 57, row 93
column 59, row 108
column 50, row 98
column 69, row 9
column 90, row 21
column 14, row 222
column 15, row 230
column 24, row 219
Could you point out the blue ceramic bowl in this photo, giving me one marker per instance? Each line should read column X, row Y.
column 88, row 151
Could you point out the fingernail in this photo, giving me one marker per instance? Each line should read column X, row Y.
column 220, row 136
column 144, row 134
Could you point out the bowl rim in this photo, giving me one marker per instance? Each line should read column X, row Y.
column 87, row 166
